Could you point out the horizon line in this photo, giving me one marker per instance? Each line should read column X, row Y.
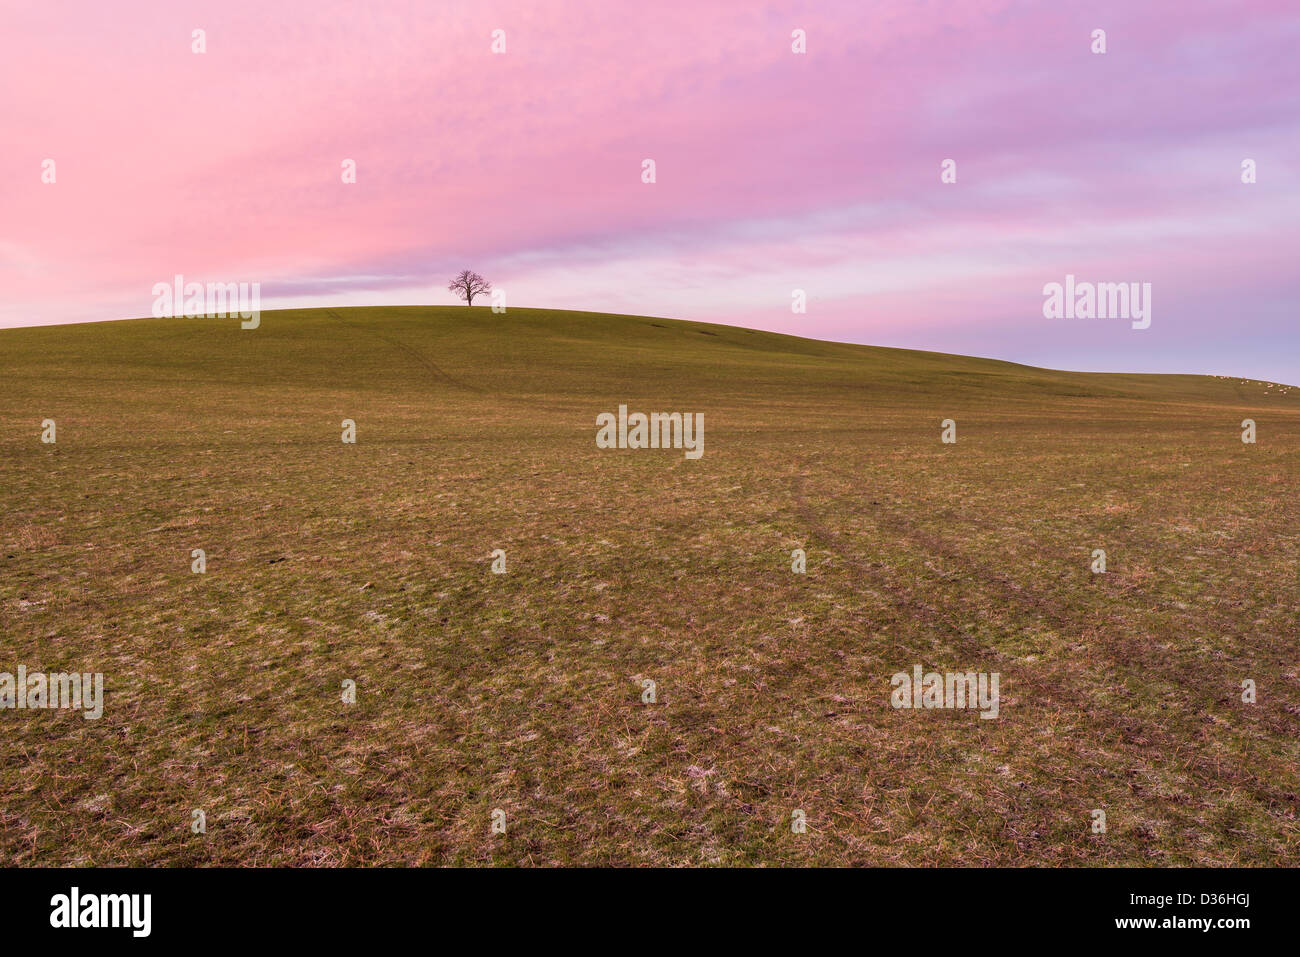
column 702, row 322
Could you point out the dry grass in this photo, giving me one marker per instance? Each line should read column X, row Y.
column 522, row 691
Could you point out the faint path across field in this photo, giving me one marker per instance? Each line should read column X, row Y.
column 437, row 372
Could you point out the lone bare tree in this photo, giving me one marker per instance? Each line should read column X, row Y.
column 469, row 284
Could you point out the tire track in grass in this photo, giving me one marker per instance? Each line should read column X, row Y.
column 1143, row 664
column 1058, row 690
column 904, row 598
column 1026, row 597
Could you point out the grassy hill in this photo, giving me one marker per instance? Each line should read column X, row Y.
column 523, row 691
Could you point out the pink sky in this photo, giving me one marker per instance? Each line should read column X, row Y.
column 775, row 171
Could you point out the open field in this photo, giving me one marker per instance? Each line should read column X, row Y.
column 475, row 691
